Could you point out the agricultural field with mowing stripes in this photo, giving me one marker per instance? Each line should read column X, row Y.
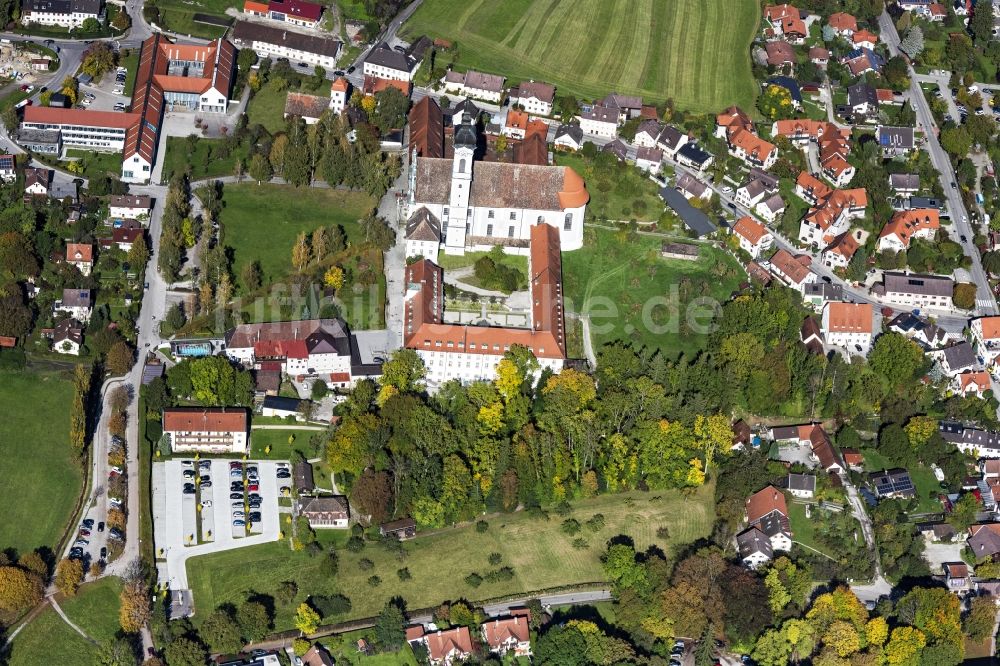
column 696, row 52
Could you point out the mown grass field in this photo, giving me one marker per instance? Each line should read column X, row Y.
column 541, row 555
column 631, row 293
column 50, row 640
column 37, row 470
column 694, row 51
column 95, row 609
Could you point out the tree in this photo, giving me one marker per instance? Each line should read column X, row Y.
column 260, row 168
column 913, row 44
column 300, row 253
column 896, row 72
column 70, row 89
column 185, row 652
column 246, row 59
column 775, row 102
column 221, row 632
column 251, row 276
column 389, row 628
column 69, row 575
column 138, row 254
column 98, row 59
column 334, row 278
column 90, row 26
column 373, row 493
column 896, row 358
column 34, row 563
column 19, row 589
column 254, row 621
column 964, row 295
column 981, row 23
column 119, row 359
column 118, row 652
column 306, row 619
column 991, row 262
column 904, row 647
column 956, row 141
column 134, row 610
column 978, row 623
column 404, row 372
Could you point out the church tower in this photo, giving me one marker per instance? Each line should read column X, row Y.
column 459, row 215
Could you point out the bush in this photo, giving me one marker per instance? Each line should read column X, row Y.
column 563, row 508
column 495, row 558
column 286, row 592
column 330, row 564
column 404, row 574
column 330, row 606
column 570, row 526
column 374, row 581
column 482, row 526
column 580, row 543
column 473, row 580
column 596, row 523
column 355, row 544
column 498, row 575
column 365, row 564
column 300, row 646
column 662, row 532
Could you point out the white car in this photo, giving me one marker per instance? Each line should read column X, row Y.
column 727, row 190
column 206, row 503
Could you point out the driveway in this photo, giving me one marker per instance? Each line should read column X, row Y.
column 937, row 554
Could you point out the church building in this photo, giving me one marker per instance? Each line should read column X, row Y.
column 468, row 205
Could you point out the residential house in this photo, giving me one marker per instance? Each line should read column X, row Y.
column 916, row 291
column 861, row 61
column 751, row 149
column 130, row 207
column 317, row 656
column 792, row 270
column 767, row 511
column 822, row 450
column 515, row 124
column 990, row 469
column 296, row 12
column 862, row 99
column 853, row 459
column 984, row 540
column 786, row 22
column 207, row 430
column 64, row 13
column 906, row 225
column 977, row 443
column 387, row 63
column 843, row 24
column 509, row 635
column 771, row 208
column 986, row 336
column 692, row 188
column 314, row 347
column 649, row 159
column 956, row 359
column 802, row 485
column 754, row 238
column 729, row 120
column 37, row 181
column 80, row 255
column 904, row 184
column 616, row 148
column 929, row 336
column 972, row 383
column 811, row 336
column 534, row 97
column 671, row 141
column 939, row 13
column 647, row 133
column 325, row 512
column 742, row 435
column 841, row 250
column 124, row 237
column 423, row 233
column 600, row 121
column 402, row 529
column 339, row 94
column 478, row 85
column 819, row 56
column 759, row 186
column 892, row 483
column 849, row 326
column 627, row 106
column 780, row 54
column 692, row 156
column 307, row 107
column 864, row 39
column 77, row 303
column 832, row 141
column 67, row 337
column 269, row 41
column 895, row 141
column 569, row 137
column 447, row 647
column 8, row 173
column 832, row 216
column 818, row 294
column 280, row 407
column 755, row 548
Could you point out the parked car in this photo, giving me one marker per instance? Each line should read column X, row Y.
column 234, row 496
column 189, row 489
column 206, row 503
column 76, row 553
column 238, row 523
column 88, row 523
column 205, row 464
column 189, row 474
column 116, row 534
column 187, row 463
column 100, row 527
column 84, row 532
column 253, row 487
column 81, row 542
column 255, row 516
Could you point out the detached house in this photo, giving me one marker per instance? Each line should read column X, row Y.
column 76, row 302
column 767, row 511
column 793, row 271
column 956, row 359
column 535, row 97
column 843, row 24
column 600, row 121
column 80, row 255
column 972, row 383
column 786, row 22
column 915, row 290
column 755, row 548
column 984, row 540
column 780, row 54
column 752, row 149
column 447, row 647
column 325, row 512
column 842, row 248
column 864, row 39
column 895, row 141
column 753, row 237
column 986, row 336
column 849, row 326
column 802, row 485
column 904, row 183
column 759, row 186
column 907, row 225
column 509, row 635
column 130, row 207
column 475, row 84
column 67, row 337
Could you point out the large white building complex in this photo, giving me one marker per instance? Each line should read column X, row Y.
column 470, row 353
column 170, row 77
column 477, row 205
column 207, row 429
column 274, row 42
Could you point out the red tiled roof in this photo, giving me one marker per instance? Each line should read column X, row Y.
column 207, row 419
column 79, row 253
column 444, row 643
column 750, row 229
column 297, row 8
column 763, row 502
column 56, row 116
column 849, row 317
column 908, row 222
column 500, row 631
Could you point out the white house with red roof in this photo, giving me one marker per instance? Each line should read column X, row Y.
column 80, row 255
column 753, row 236
column 849, row 326
column 792, row 270
column 973, row 382
column 906, row 225
column 767, row 511
column 313, row 347
column 509, row 635
column 986, row 336
column 207, row 429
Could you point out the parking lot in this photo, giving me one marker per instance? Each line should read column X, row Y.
column 105, row 95
column 224, row 520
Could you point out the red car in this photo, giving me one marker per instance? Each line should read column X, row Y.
column 253, row 487
column 24, row 87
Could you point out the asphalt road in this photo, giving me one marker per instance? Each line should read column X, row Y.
column 985, row 302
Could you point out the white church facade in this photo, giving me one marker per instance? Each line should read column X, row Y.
column 467, row 205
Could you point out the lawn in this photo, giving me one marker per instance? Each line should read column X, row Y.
column 624, row 193
column 95, row 609
column 452, row 262
column 541, row 555
column 267, row 107
column 630, row 293
column 927, row 486
column 803, row 528
column 178, row 15
column 41, row 477
column 344, row 649
column 203, row 158
column 281, row 449
column 48, row 635
column 696, row 52
column 131, row 63
column 96, row 164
